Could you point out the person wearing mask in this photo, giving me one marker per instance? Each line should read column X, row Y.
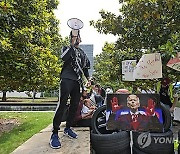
column 84, row 112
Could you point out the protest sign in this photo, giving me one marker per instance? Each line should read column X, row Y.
column 174, row 63
column 148, row 67
column 128, row 69
column 138, row 112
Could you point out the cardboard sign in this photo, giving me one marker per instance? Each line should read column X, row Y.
column 128, row 69
column 138, row 112
column 148, row 67
column 174, row 63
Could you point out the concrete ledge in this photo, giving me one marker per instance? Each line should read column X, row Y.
column 10, row 106
column 39, row 143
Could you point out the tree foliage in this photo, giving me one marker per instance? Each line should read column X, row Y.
column 29, row 45
column 142, row 26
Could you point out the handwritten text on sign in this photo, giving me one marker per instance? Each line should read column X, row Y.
column 148, row 67
column 174, row 63
column 128, row 69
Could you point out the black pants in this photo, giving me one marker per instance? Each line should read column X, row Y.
column 68, row 88
column 84, row 123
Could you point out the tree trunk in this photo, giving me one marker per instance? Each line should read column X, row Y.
column 34, row 95
column 4, row 96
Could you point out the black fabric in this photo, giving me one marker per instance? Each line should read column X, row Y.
column 74, row 60
column 68, row 73
column 103, row 92
column 65, row 113
column 84, row 123
column 98, row 98
column 72, row 88
column 164, row 96
column 70, row 68
column 67, row 70
column 80, row 64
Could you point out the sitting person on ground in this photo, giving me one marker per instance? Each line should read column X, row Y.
column 87, row 107
column 84, row 113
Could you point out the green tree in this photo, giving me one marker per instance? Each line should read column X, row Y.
column 107, row 70
column 142, row 26
column 29, row 45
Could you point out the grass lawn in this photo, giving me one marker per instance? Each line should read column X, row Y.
column 30, row 124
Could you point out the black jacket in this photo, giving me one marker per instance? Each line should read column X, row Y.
column 69, row 71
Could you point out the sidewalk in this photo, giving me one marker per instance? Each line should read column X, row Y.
column 39, row 143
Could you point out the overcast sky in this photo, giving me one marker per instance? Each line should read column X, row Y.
column 86, row 10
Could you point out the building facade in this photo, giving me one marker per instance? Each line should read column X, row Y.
column 88, row 49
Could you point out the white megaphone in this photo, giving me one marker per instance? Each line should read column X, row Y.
column 75, row 24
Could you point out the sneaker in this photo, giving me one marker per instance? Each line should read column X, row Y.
column 54, row 141
column 70, row 133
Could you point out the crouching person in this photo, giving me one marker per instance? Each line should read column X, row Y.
column 84, row 113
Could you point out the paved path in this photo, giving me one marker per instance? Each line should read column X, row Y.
column 39, row 143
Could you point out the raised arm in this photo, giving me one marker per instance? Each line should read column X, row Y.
column 66, row 53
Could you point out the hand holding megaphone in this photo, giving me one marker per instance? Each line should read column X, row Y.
column 75, row 38
column 75, row 24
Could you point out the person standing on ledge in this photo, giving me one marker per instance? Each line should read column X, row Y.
column 75, row 65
